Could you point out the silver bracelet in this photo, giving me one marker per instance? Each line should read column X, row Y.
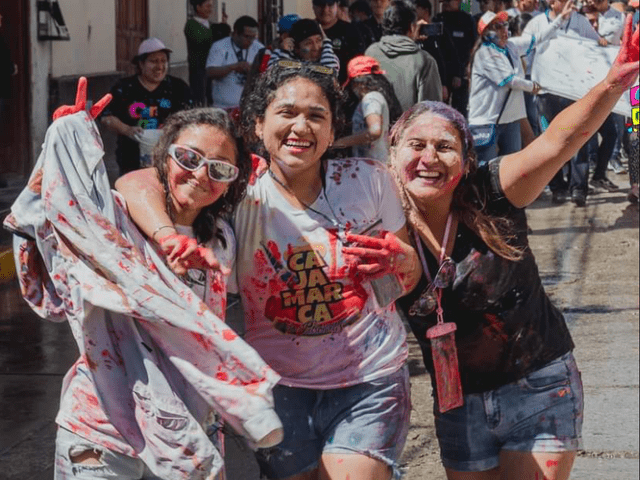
column 153, row 235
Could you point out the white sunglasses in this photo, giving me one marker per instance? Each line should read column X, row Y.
column 218, row 170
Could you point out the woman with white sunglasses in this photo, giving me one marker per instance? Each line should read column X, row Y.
column 156, row 360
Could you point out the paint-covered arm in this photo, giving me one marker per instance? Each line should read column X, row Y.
column 147, row 207
column 523, row 175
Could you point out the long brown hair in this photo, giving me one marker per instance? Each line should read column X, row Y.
column 468, row 201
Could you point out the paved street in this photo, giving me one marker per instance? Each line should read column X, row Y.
column 589, row 262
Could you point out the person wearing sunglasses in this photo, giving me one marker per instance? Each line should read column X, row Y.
column 322, row 254
column 521, row 409
column 498, row 83
column 157, row 368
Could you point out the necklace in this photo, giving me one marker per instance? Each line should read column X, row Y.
column 431, row 297
column 333, row 221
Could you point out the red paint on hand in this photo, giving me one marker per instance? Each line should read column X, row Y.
column 374, row 256
column 81, row 103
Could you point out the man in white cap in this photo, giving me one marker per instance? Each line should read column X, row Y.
column 142, row 102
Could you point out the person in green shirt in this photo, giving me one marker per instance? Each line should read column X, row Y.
column 201, row 34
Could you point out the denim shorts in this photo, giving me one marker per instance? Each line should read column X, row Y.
column 113, row 465
column 541, row 412
column 370, row 419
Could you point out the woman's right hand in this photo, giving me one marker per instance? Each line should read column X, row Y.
column 184, row 253
column 568, row 9
column 624, row 71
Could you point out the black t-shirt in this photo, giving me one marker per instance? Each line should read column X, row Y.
column 347, row 44
column 506, row 324
column 462, row 29
column 135, row 105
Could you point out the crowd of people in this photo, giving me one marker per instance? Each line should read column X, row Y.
column 355, row 180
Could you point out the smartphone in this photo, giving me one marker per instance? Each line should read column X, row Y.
column 432, row 29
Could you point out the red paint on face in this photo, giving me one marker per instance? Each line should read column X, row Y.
column 429, row 160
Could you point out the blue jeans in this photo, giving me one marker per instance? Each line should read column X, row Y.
column 541, row 412
column 507, row 140
column 368, row 419
column 603, row 153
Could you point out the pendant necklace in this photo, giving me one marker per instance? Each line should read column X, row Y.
column 333, row 221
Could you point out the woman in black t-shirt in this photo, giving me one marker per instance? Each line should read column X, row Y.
column 521, row 413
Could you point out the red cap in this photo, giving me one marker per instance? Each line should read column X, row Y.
column 362, row 65
column 490, row 17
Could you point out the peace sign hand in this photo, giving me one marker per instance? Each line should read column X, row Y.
column 81, row 103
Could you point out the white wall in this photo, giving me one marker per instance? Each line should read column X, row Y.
column 236, row 9
column 166, row 21
column 39, row 84
column 92, row 47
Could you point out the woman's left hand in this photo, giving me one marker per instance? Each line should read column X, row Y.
column 374, row 257
column 624, row 71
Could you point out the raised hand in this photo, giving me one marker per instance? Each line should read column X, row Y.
column 81, row 103
column 624, row 71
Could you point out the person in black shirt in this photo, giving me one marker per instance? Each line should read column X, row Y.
column 361, row 18
column 346, row 40
column 520, row 412
column 141, row 103
column 441, row 47
column 462, row 29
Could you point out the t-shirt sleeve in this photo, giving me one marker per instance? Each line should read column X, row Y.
column 116, row 106
column 216, row 55
column 372, row 104
column 487, row 179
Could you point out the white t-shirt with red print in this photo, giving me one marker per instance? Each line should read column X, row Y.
column 305, row 314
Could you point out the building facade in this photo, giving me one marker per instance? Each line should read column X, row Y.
column 54, row 42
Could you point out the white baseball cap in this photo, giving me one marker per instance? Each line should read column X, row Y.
column 151, row 45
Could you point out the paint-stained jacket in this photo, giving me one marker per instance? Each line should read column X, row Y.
column 158, row 358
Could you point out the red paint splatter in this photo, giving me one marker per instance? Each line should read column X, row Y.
column 552, row 463
column 229, row 335
column 71, row 203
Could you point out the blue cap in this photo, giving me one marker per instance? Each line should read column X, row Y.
column 286, row 22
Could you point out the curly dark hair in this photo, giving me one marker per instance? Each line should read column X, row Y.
column 468, row 202
column 204, row 226
column 253, row 104
column 379, row 83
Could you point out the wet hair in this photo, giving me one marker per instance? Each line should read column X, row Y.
column 204, row 226
column 398, row 18
column 244, row 21
column 468, row 202
column 379, row 83
column 253, row 104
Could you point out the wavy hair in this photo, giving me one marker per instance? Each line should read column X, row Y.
column 468, row 201
column 204, row 226
column 254, row 103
